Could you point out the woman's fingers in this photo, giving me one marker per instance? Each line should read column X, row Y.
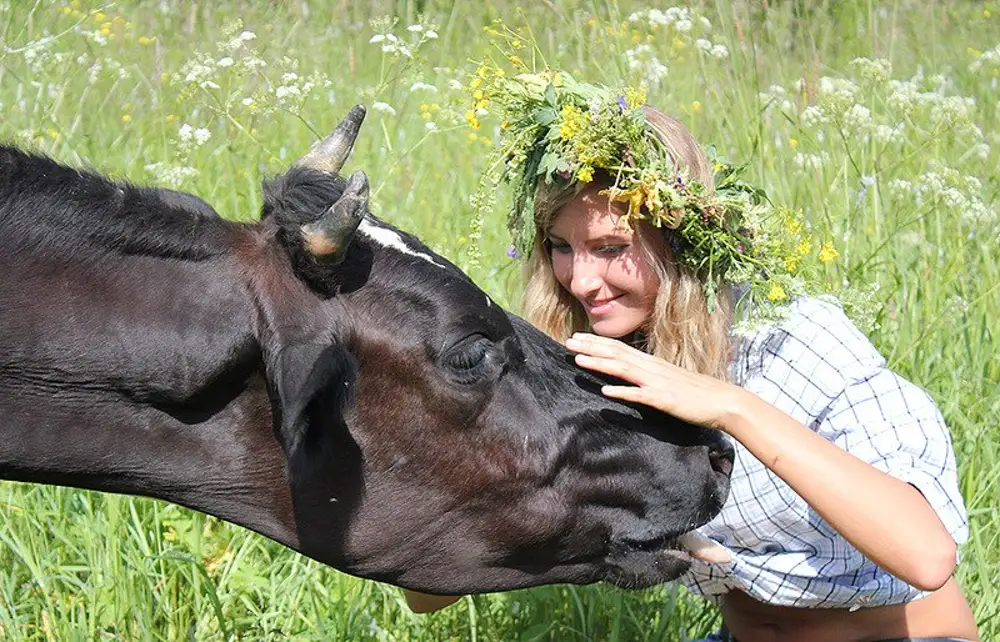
column 631, row 372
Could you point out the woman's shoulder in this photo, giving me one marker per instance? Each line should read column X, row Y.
column 815, row 341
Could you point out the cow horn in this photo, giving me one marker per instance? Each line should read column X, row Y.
column 330, row 154
column 329, row 236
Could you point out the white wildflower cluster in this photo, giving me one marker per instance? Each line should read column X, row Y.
column 192, row 137
column 397, row 45
column 857, row 121
column 943, row 186
column 876, row 72
column 680, row 18
column 807, row 162
column 717, row 50
column 812, row 117
column 642, row 60
column 988, row 60
column 836, row 95
column 776, row 96
column 237, row 42
column 384, row 108
column 685, row 26
column 170, row 175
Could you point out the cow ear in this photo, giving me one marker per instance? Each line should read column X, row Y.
column 311, row 388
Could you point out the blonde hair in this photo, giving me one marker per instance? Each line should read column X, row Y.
column 680, row 329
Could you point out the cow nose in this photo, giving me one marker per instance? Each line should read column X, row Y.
column 721, row 456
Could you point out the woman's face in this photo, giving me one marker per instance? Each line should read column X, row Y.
column 598, row 260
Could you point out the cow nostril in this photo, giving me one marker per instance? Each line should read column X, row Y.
column 721, row 459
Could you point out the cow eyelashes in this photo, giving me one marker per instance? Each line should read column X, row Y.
column 467, row 360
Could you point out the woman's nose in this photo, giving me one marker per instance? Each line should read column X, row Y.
column 586, row 278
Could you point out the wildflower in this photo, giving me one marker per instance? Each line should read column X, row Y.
column 776, row 293
column 470, row 117
column 201, row 136
column 828, row 253
column 512, row 251
column 585, row 174
column 573, row 122
column 385, row 108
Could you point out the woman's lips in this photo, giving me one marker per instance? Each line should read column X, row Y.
column 596, row 308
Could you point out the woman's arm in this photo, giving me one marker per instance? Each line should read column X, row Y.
column 427, row 603
column 887, row 519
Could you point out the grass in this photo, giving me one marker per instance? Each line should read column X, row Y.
column 912, row 207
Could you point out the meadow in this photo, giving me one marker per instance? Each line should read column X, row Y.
column 880, row 121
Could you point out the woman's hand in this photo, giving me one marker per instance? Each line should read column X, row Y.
column 689, row 396
column 885, row 518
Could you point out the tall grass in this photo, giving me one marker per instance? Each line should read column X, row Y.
column 907, row 185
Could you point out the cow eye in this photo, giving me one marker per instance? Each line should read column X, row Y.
column 467, row 359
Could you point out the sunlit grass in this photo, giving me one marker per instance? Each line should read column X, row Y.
column 112, row 87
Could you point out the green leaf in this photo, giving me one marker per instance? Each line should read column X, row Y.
column 544, row 115
column 550, row 95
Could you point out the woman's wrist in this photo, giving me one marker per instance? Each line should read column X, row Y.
column 734, row 418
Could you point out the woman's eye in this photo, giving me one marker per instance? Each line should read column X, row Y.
column 612, row 250
column 561, row 248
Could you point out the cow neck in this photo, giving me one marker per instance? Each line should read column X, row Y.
column 171, row 404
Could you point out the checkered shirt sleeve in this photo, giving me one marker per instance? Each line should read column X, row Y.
column 820, row 369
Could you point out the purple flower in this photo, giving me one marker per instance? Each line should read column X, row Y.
column 512, row 251
column 680, row 181
column 621, row 103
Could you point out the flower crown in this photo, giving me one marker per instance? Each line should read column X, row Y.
column 555, row 128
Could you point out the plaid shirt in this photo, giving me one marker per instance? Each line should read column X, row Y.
column 821, row 370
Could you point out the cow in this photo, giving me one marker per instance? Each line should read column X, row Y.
column 326, row 380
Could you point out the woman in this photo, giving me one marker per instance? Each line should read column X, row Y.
column 844, row 512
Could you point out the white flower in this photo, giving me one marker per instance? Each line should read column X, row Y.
column 703, row 45
column 285, row 91
column 430, row 34
column 385, row 108
column 186, row 132
column 379, row 37
column 415, row 28
column 683, row 25
column 247, row 36
column 422, row 85
column 454, row 84
column 719, row 50
column 201, row 136
column 226, row 62
column 288, row 77
column 247, row 101
column 430, row 126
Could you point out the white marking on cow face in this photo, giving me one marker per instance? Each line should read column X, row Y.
column 390, row 238
column 489, row 303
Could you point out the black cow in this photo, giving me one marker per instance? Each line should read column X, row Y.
column 326, row 380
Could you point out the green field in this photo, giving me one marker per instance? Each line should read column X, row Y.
column 878, row 120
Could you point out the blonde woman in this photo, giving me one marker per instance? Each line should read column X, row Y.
column 844, row 513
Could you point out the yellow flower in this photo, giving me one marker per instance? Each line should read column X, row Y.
column 144, row 41
column 792, row 263
column 470, row 116
column 696, row 107
column 828, row 253
column 805, row 246
column 776, row 293
column 635, row 97
column 573, row 122
column 126, row 118
column 794, row 142
column 585, row 174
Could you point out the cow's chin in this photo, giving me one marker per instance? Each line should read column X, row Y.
column 644, row 564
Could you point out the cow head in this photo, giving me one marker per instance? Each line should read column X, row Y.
column 436, row 441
